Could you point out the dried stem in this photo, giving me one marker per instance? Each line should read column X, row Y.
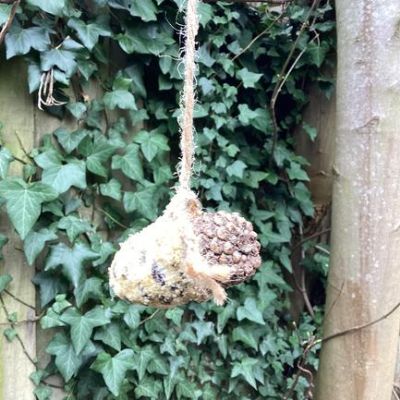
column 10, row 19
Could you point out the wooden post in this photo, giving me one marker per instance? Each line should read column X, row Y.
column 364, row 273
column 17, row 117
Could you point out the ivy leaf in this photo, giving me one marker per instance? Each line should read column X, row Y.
column 236, row 169
column 20, row 41
column 151, row 143
column 4, row 281
column 90, row 289
column 311, row 131
column 5, row 160
column 35, row 241
column 148, row 388
column 71, row 260
column 130, row 163
column 145, row 355
column 100, row 153
column 132, row 317
column 24, row 202
column 120, row 99
column 70, row 140
column 74, row 226
column 114, row 368
column 82, row 325
column 146, row 10
column 246, row 369
column 110, row 335
column 67, row 361
column 249, row 78
column 51, row 320
column 317, row 52
column 88, row 34
column 77, row 109
column 244, row 335
column 250, row 311
column 295, row 171
column 54, row 7
column 50, row 285
column 43, row 392
column 144, row 202
column 175, row 314
column 62, row 176
column 203, row 330
column 111, row 189
column 3, row 242
column 62, row 59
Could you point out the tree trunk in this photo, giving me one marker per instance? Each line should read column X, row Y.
column 365, row 271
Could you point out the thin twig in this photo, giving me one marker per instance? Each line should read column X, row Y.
column 17, row 336
column 313, row 236
column 150, row 317
column 360, row 327
column 9, row 21
column 265, row 31
column 108, row 215
column 19, row 300
column 283, row 76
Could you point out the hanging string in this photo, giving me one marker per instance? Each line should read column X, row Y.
column 188, row 95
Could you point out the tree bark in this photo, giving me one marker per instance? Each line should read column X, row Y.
column 365, row 271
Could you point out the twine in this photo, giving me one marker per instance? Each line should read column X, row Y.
column 188, row 96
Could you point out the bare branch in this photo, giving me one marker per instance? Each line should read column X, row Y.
column 10, row 19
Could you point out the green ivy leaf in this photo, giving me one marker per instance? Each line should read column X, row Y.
column 296, row 172
column 71, row 260
column 175, row 314
column 82, row 325
column 5, row 160
column 146, row 10
column 143, row 358
column 144, row 202
column 66, row 359
column 311, row 131
column 111, row 189
column 148, row 388
column 20, row 41
column 35, row 241
column 246, row 369
column 250, row 311
column 236, row 169
column 90, row 289
column 50, row 285
column 51, row 320
column 130, row 163
column 62, row 59
column 70, row 140
column 5, row 281
column 24, row 202
column 101, row 151
column 132, row 317
column 10, row 334
column 203, row 330
column 151, row 143
column 88, row 34
column 245, row 335
column 77, row 109
column 120, row 99
column 3, row 242
column 60, row 176
column 55, row 7
column 114, row 368
column 74, row 226
column 248, row 78
column 110, row 335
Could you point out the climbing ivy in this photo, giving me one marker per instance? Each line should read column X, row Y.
column 87, row 187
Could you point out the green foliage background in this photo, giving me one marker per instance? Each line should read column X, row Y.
column 108, row 349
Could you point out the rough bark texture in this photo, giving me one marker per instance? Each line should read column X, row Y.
column 364, row 275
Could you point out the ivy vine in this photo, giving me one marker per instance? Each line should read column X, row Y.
column 85, row 189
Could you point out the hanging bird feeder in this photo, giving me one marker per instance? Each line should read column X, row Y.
column 187, row 254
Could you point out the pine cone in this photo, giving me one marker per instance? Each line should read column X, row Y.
column 228, row 239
